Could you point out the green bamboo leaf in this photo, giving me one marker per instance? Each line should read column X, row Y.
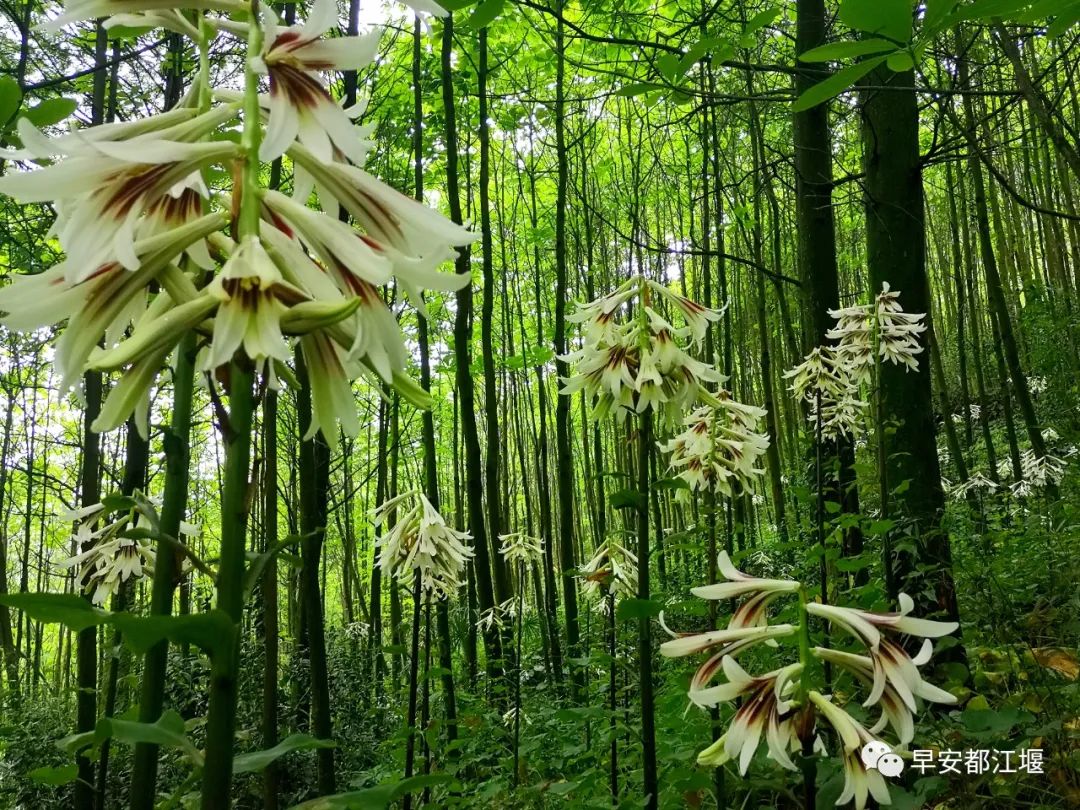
column 835, row 84
column 375, row 798
column 485, row 13
column 258, row 760
column 68, row 609
column 211, row 632
column 10, row 98
column 886, row 18
column 836, row 51
column 50, row 111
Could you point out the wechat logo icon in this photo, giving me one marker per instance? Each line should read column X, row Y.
column 878, row 756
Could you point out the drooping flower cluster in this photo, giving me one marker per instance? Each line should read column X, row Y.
column 777, row 705
column 720, row 448
column 143, row 230
column 613, row 569
column 1041, row 471
column 420, row 541
column 881, row 328
column 641, row 362
column 518, row 547
column 111, row 554
column 830, row 376
column 822, row 381
column 976, row 483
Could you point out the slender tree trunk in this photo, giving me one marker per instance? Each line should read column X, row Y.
column 896, row 254
column 563, row 458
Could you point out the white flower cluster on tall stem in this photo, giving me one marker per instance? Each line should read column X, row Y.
column 720, row 448
column 110, row 554
column 632, row 364
column 882, row 328
column 518, row 547
column 824, row 382
column 613, row 569
column 420, row 541
column 153, row 252
column 829, row 378
column 781, row 705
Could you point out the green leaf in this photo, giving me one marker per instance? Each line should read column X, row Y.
column 637, row 609
column 50, row 111
column 937, row 12
column 836, row 51
column 637, row 89
column 670, row 65
column 998, row 722
column 886, row 18
column 756, row 23
column 54, row 777
column 254, row 573
column 376, row 798
column 835, row 84
column 10, row 98
column 900, row 62
column 486, row 13
column 168, row 731
column 627, row 499
column 257, row 760
column 68, row 609
column 211, row 631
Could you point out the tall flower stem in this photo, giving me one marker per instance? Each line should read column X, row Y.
column 820, row 519
column 648, row 718
column 882, row 464
column 174, row 503
column 517, row 675
column 613, row 704
column 806, row 658
column 224, row 664
column 414, row 677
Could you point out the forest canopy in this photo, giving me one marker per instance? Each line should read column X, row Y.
column 535, row 403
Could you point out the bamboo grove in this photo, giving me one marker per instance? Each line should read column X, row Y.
column 528, row 403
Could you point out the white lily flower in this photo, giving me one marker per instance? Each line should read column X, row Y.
column 612, row 569
column 859, row 781
column 253, row 298
column 763, row 711
column 76, row 10
column 332, row 398
column 867, row 626
column 740, row 584
column 102, row 194
column 300, row 105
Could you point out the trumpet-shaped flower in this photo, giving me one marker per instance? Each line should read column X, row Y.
column 1042, row 470
column 105, row 188
column 640, row 365
column 897, row 707
column 763, row 711
column 860, row 782
column 867, row 626
column 740, row 584
column 300, row 105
